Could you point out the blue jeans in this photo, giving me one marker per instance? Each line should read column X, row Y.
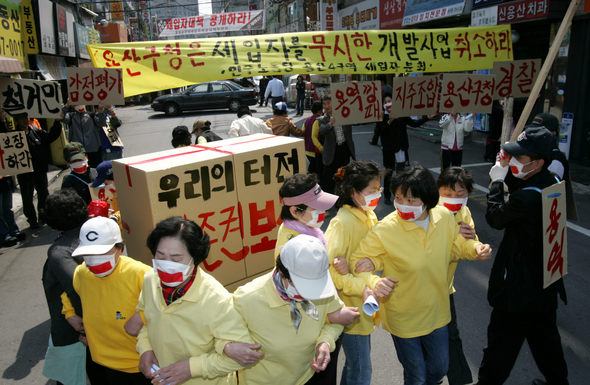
column 357, row 367
column 425, row 359
column 300, row 103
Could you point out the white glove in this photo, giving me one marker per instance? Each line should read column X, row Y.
column 498, row 173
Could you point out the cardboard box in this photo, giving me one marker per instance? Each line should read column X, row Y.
column 223, row 186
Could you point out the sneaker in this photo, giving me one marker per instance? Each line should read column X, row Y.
column 373, row 143
column 20, row 236
column 9, row 241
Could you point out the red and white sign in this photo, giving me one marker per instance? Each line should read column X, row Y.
column 391, row 13
column 554, row 233
column 356, row 102
column 467, row 93
column 415, row 95
column 522, row 10
column 95, row 86
column 232, row 21
column 328, row 15
column 516, row 78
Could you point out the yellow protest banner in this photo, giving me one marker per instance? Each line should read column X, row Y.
column 10, row 31
column 158, row 65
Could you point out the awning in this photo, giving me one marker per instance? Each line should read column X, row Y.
column 10, row 65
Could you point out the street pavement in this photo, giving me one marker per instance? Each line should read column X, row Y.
column 25, row 319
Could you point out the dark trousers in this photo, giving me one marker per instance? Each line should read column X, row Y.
column 275, row 99
column 94, row 158
column 300, row 103
column 459, row 372
column 7, row 224
column 315, row 165
column 341, row 158
column 330, row 375
column 450, row 158
column 376, row 134
column 263, row 100
column 506, row 333
column 28, row 183
column 106, row 376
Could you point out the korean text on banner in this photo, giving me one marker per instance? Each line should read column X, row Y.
column 229, row 188
column 40, row 99
column 94, row 86
column 10, row 25
column 233, row 21
column 356, row 102
column 112, row 136
column 29, row 30
column 554, row 233
column 516, row 78
column 467, row 93
column 415, row 95
column 418, row 11
column 156, row 65
column 15, row 157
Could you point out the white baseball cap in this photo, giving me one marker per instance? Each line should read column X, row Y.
column 307, row 260
column 97, row 236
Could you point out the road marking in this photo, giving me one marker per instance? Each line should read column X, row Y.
column 363, row 133
column 477, row 164
column 573, row 226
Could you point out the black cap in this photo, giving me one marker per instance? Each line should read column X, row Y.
column 104, row 171
column 180, row 133
column 533, row 140
column 548, row 121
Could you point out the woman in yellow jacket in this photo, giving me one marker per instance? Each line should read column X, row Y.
column 192, row 333
column 359, row 188
column 414, row 246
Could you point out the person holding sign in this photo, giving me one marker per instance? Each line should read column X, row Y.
column 522, row 309
column 83, row 129
column 454, row 186
column 192, row 333
column 338, row 145
column 38, row 141
column 454, row 127
column 286, row 312
column 414, row 247
column 107, row 120
column 359, row 188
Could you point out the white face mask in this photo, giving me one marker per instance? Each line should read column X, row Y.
column 101, row 265
column 79, row 167
column 453, row 204
column 409, row 213
column 171, row 273
column 516, row 168
column 371, row 201
column 317, row 219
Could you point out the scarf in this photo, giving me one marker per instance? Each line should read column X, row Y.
column 308, row 307
column 303, row 229
column 171, row 294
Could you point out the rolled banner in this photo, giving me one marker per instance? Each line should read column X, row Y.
column 371, row 306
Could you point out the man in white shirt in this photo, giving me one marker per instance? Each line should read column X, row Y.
column 246, row 124
column 276, row 90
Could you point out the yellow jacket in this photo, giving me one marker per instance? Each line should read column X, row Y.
column 107, row 304
column 420, row 261
column 344, row 234
column 463, row 215
column 192, row 327
column 287, row 354
column 283, row 236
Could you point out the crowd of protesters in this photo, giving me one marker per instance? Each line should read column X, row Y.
column 116, row 320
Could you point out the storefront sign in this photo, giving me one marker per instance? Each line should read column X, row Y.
column 419, row 11
column 224, row 22
column 176, row 63
column 565, row 133
column 47, row 28
column 117, row 11
column 328, row 15
column 554, row 233
column 40, row 99
column 522, row 10
column 391, row 13
column 356, row 102
column 484, row 16
column 10, row 27
column 82, row 40
column 28, row 28
column 360, row 16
